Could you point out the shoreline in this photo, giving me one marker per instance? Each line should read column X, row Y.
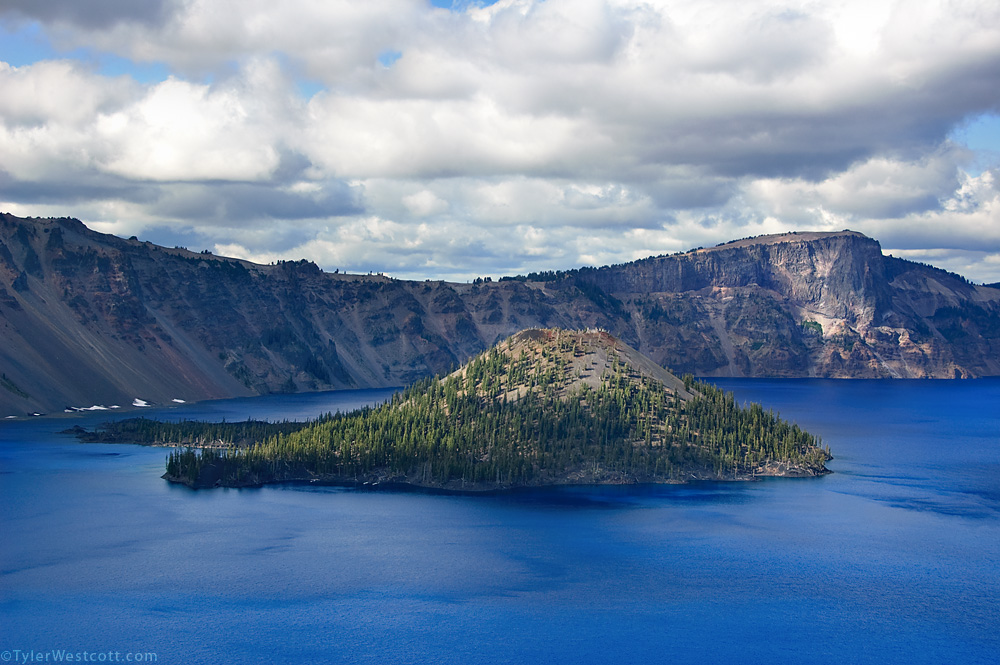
column 157, row 406
column 398, row 483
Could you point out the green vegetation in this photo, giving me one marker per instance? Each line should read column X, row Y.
column 187, row 432
column 813, row 326
column 516, row 415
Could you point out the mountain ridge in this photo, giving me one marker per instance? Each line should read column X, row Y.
column 93, row 319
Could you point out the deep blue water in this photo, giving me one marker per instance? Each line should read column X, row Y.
column 895, row 558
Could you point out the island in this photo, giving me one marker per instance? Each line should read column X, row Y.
column 543, row 407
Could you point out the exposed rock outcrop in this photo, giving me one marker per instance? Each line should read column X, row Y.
column 88, row 318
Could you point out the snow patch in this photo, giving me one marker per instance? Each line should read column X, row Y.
column 139, row 402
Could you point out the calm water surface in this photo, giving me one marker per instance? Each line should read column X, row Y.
column 895, row 558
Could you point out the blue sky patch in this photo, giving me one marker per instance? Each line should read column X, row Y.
column 980, row 133
column 25, row 45
column 308, row 89
column 389, row 57
column 28, row 44
column 113, row 65
column 460, row 5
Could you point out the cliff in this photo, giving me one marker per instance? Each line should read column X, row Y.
column 88, row 318
column 807, row 304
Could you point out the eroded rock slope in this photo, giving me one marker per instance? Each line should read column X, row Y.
column 88, row 318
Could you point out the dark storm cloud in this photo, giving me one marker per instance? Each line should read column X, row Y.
column 75, row 190
column 90, row 13
column 248, row 204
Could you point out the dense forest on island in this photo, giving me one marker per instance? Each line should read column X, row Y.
column 544, row 407
column 147, row 431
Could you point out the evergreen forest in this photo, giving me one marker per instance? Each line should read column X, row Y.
column 519, row 414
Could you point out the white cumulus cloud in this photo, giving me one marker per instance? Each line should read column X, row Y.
column 525, row 135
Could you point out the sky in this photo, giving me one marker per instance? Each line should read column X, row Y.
column 450, row 140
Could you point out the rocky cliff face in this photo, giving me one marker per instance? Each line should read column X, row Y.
column 812, row 304
column 88, row 318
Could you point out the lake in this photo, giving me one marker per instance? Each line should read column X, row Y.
column 894, row 558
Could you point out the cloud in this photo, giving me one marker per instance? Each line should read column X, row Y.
column 424, row 203
column 242, row 205
column 498, row 138
column 90, row 14
column 74, row 190
column 968, row 219
column 57, row 92
column 879, row 187
column 56, row 112
column 182, row 132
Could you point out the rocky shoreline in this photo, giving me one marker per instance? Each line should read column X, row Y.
column 383, row 480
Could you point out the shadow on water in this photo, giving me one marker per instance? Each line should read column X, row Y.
column 967, row 503
column 610, row 497
column 630, row 496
